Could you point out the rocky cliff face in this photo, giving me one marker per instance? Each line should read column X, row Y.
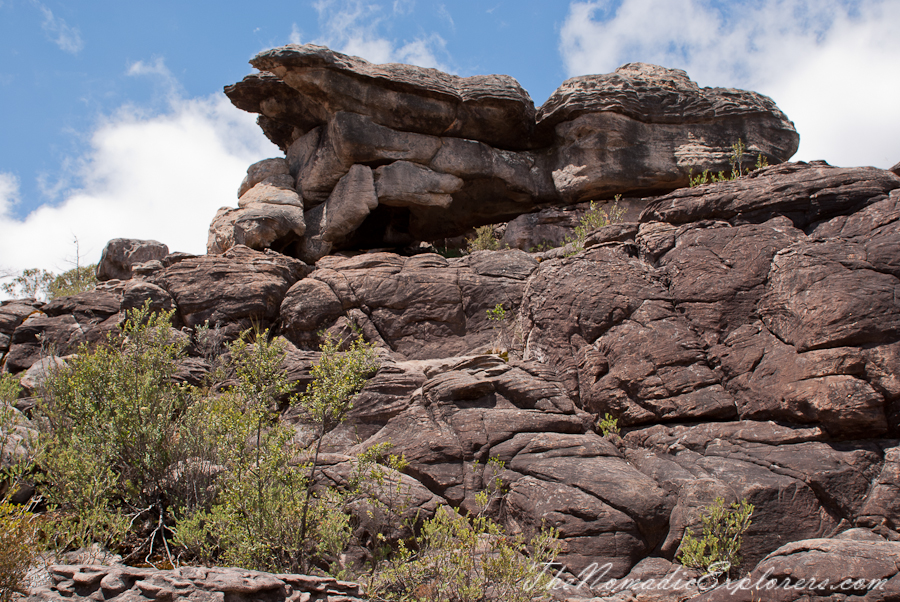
column 746, row 334
column 387, row 155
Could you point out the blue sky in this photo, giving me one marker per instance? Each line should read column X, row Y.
column 113, row 123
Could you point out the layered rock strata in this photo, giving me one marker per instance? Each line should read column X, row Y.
column 386, row 155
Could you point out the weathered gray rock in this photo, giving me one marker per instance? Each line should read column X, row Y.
column 597, row 120
column 820, row 569
column 451, row 153
column 491, row 108
column 121, row 583
column 122, row 253
column 262, row 170
column 274, row 190
column 404, row 184
column 259, row 226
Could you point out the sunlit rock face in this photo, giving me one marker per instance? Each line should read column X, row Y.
column 448, row 153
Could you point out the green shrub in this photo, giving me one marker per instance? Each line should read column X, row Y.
column 267, row 515
column 484, row 240
column 460, row 559
column 77, row 280
column 609, row 425
column 737, row 167
column 594, row 218
column 17, row 544
column 722, row 534
column 123, row 444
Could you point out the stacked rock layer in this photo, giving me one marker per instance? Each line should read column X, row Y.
column 387, row 155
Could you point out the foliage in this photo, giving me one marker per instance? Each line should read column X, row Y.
column 122, row 441
column 267, row 516
column 736, row 158
column 77, row 280
column 594, row 218
column 484, row 240
column 460, row 559
column 504, row 330
column 609, row 425
column 17, row 544
column 42, row 284
column 32, row 283
column 723, row 529
column 497, row 313
column 17, row 531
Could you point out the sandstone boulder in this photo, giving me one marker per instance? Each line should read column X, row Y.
column 598, row 119
column 820, row 569
column 122, row 253
column 233, row 290
column 491, row 108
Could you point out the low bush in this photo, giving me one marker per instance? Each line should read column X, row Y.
column 17, row 548
column 722, row 535
column 594, row 218
column 467, row 559
column 484, row 240
column 119, row 436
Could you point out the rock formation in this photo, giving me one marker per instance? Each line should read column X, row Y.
column 746, row 334
column 387, row 155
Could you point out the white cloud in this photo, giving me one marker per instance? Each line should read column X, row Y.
column 68, row 38
column 157, row 68
column 9, row 192
column 159, row 176
column 354, row 27
column 831, row 67
column 295, row 38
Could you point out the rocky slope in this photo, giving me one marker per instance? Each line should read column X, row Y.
column 746, row 334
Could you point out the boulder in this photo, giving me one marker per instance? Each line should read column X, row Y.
column 258, row 226
column 261, row 170
column 819, row 569
column 805, row 193
column 647, row 128
column 120, row 254
column 491, row 108
column 237, row 290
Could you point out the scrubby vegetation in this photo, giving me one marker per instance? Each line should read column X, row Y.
column 719, row 545
column 484, row 240
column 165, row 473
column 594, row 218
column 738, row 150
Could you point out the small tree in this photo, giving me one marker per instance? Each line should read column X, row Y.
column 77, row 280
column 33, row 283
column 122, row 440
column 337, row 378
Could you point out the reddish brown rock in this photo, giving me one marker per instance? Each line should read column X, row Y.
column 237, row 289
